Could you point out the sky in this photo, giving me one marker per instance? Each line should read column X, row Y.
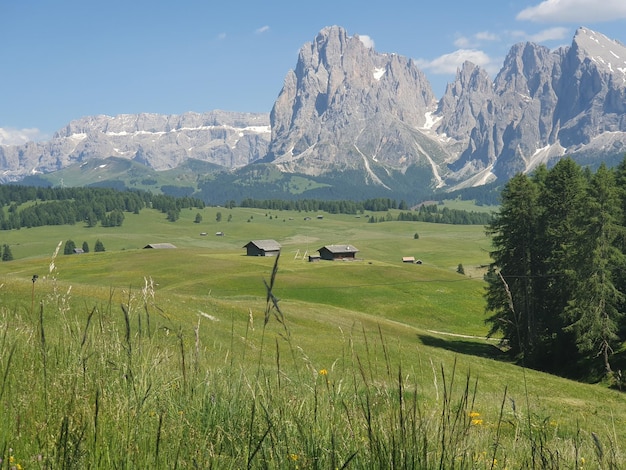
column 66, row 59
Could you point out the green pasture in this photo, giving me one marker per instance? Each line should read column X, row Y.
column 432, row 295
column 346, row 335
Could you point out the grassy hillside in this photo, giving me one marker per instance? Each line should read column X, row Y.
column 169, row 361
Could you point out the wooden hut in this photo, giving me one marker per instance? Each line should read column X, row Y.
column 338, row 252
column 262, row 248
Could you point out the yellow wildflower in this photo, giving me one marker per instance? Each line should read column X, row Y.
column 323, row 372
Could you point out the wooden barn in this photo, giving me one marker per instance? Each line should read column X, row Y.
column 338, row 252
column 262, row 248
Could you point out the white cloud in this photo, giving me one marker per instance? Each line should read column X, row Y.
column 550, row 34
column 449, row 63
column 486, row 36
column 263, row 29
column 367, row 41
column 574, row 11
column 9, row 136
column 475, row 40
column 221, row 36
column 462, row 42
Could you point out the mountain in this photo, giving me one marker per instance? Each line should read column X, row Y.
column 541, row 106
column 350, row 117
column 348, row 107
column 161, row 142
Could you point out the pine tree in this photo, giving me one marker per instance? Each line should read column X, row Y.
column 511, row 293
column 594, row 311
column 69, row 248
column 6, row 253
column 98, row 247
column 562, row 199
column 173, row 215
column 85, row 247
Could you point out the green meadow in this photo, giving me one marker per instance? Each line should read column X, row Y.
column 179, row 358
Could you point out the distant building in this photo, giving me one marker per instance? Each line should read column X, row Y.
column 262, row 248
column 78, row 251
column 219, row 234
column 338, row 252
column 408, row 259
column 159, row 246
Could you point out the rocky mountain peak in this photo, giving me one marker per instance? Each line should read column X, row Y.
column 342, row 103
column 609, row 55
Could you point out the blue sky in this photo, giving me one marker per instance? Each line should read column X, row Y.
column 62, row 60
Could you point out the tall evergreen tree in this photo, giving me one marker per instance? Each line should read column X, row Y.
column 562, row 198
column 511, row 295
column 594, row 311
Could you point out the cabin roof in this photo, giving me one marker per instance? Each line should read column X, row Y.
column 265, row 245
column 159, row 245
column 340, row 248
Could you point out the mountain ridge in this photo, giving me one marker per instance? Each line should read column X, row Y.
column 346, row 108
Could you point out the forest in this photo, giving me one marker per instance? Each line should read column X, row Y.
column 557, row 286
column 332, row 207
column 28, row 206
column 433, row 214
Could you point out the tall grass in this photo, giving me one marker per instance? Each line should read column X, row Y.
column 121, row 385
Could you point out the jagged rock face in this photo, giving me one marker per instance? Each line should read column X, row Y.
column 159, row 141
column 346, row 106
column 544, row 104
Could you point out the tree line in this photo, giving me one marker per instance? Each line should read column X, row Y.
column 332, row 207
column 431, row 213
column 26, row 206
column 556, row 290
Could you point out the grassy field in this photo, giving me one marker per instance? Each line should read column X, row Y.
column 161, row 358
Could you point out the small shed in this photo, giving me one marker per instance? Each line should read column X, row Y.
column 78, row 251
column 159, row 246
column 338, row 252
column 262, row 248
column 408, row 259
column 219, row 234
